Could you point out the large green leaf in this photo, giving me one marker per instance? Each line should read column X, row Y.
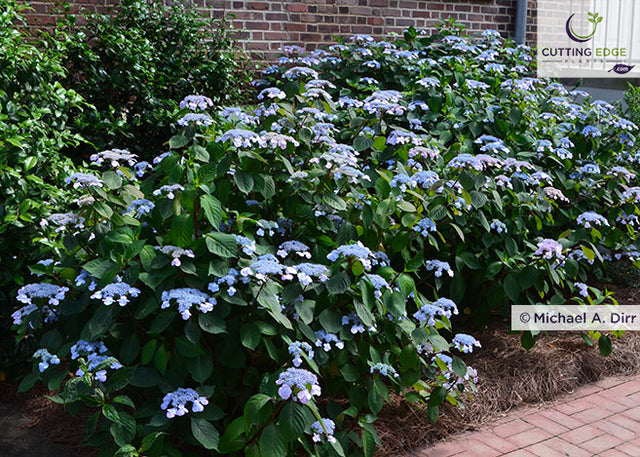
column 272, row 442
column 205, row 433
column 221, row 244
column 212, row 210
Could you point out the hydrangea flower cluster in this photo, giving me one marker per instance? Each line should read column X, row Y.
column 590, row 219
column 298, row 384
column 465, row 343
column 169, row 190
column 323, row 430
column 356, row 250
column 45, row 359
column 548, row 249
column 300, row 249
column 83, row 180
column 140, row 207
column 384, row 369
column 195, row 119
column 378, row 283
column 583, row 289
column 113, row 157
column 429, row 312
column 64, row 220
column 196, row 102
column 498, row 226
column 117, row 291
column 439, row 267
column 175, row 403
column 96, row 363
column 247, row 245
column 325, row 339
column 357, row 326
column 186, row 299
column 299, row 348
column 175, row 253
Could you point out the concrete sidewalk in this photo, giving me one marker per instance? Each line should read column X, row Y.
column 601, row 419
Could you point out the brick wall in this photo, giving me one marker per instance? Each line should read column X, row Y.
column 266, row 25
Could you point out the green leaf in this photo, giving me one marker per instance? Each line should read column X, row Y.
column 232, row 440
column 339, row 283
column 111, row 413
column 201, row 368
column 268, row 298
column 221, row 244
column 368, row 443
column 99, row 267
column 515, row 115
column 272, row 442
column 362, row 142
column 250, row 335
column 459, row 367
column 350, row 373
column 212, row 210
column 244, row 181
column 604, row 345
column 527, row 277
column 129, row 349
column 293, row 420
column 178, row 141
column 211, row 323
column 478, row 200
column 467, row 180
column 253, row 407
column 269, row 189
column 205, row 433
column 432, row 413
column 124, row 400
column 112, row 179
column 512, row 287
column 375, row 400
column 334, row 201
column 305, row 310
column 527, row 340
column 587, row 339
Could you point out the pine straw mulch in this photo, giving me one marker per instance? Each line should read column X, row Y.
column 52, row 419
column 511, row 377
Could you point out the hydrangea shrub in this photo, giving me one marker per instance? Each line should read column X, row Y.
column 266, row 284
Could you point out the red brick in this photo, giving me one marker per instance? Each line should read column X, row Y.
column 297, row 7
column 258, row 5
column 568, row 448
column 602, row 443
column 613, row 453
column 610, row 404
column 545, row 424
column 592, row 414
column 529, row 437
column 562, row 419
column 543, row 450
column 625, row 422
column 511, row 428
column 581, row 434
column 633, row 414
column 572, row 407
column 615, row 430
column 495, row 442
